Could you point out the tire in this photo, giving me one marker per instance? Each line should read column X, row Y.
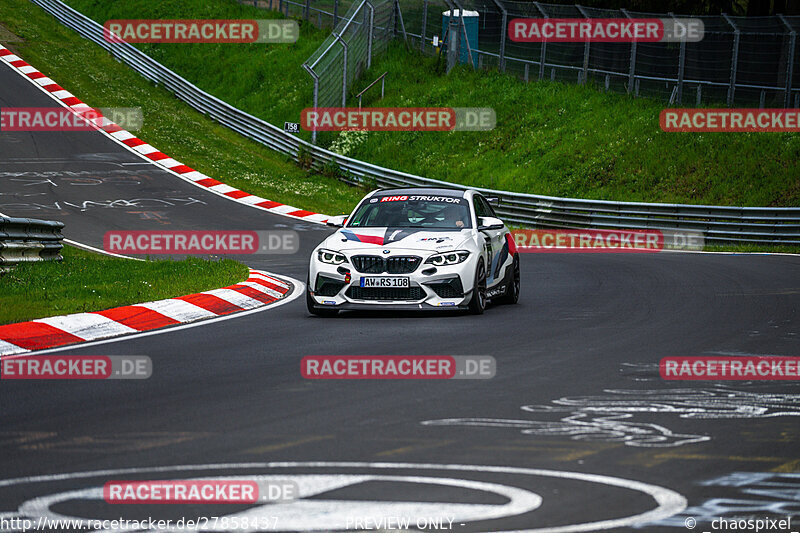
column 478, row 302
column 512, row 285
column 311, row 305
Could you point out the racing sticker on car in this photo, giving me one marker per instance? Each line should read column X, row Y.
column 391, row 235
column 369, row 239
column 422, row 198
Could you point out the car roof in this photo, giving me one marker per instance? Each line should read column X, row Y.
column 439, row 191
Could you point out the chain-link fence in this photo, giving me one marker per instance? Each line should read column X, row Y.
column 364, row 30
column 740, row 61
column 744, row 61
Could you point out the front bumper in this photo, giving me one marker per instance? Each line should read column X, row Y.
column 438, row 288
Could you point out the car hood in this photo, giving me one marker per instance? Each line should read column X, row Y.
column 370, row 239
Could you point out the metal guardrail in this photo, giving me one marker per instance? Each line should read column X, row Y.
column 24, row 240
column 760, row 225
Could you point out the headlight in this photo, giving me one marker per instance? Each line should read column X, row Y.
column 448, row 258
column 331, row 257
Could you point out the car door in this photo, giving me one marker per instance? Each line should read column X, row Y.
column 495, row 242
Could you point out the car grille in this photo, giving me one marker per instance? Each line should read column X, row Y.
column 374, row 264
column 385, row 293
column 368, row 264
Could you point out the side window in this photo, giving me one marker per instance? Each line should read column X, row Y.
column 480, row 207
column 488, row 207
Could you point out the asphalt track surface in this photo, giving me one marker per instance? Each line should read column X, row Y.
column 582, row 347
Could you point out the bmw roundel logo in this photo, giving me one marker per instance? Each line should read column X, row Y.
column 386, row 251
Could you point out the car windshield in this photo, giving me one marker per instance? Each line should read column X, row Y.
column 435, row 212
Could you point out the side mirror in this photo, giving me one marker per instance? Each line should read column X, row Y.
column 489, row 223
column 337, row 222
column 493, row 201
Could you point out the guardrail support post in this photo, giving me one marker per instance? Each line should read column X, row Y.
column 787, row 95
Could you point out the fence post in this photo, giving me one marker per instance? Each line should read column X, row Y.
column 316, row 97
column 543, row 54
column 307, row 10
column 463, row 28
column 585, row 48
column 503, row 32
column 453, row 46
column 424, row 25
column 681, row 65
column 632, row 67
column 344, row 69
column 335, row 13
column 402, row 23
column 734, row 59
column 371, row 28
column 452, row 42
column 787, row 95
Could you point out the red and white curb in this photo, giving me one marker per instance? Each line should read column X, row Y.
column 260, row 289
column 149, row 153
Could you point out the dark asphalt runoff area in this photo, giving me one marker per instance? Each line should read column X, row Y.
column 577, row 431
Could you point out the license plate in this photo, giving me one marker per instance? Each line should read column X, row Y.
column 384, row 281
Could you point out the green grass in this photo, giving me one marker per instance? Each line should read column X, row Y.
column 86, row 281
column 90, row 73
column 551, row 138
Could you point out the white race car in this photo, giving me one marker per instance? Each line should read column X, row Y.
column 415, row 248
